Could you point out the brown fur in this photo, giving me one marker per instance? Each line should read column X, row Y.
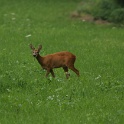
column 63, row 59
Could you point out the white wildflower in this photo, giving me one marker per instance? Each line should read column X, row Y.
column 29, row 35
column 58, row 89
column 27, row 19
column 49, row 98
column 99, row 76
column 8, row 90
column 20, row 105
column 13, row 18
column 13, row 13
column 17, row 61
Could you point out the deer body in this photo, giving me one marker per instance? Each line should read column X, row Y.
column 60, row 59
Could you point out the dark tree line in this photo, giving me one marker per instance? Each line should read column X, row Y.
column 120, row 2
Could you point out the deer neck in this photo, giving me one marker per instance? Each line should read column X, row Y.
column 40, row 59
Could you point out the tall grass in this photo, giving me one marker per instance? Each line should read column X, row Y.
column 26, row 96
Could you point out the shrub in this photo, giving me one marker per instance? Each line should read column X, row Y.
column 110, row 10
column 103, row 9
column 117, row 16
column 85, row 6
column 120, row 2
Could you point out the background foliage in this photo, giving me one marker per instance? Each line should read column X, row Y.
column 110, row 10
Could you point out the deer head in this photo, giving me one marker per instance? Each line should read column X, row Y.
column 35, row 51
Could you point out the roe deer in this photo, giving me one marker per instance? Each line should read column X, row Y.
column 60, row 59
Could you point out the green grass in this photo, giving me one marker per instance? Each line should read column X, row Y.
column 28, row 97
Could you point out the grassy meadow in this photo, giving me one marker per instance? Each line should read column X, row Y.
column 28, row 97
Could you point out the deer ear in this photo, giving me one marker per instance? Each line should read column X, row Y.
column 39, row 48
column 31, row 47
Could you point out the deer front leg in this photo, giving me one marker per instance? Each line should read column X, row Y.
column 47, row 73
column 51, row 71
column 66, row 72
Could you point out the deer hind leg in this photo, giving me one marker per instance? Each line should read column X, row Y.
column 51, row 71
column 70, row 65
column 74, row 69
column 66, row 72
